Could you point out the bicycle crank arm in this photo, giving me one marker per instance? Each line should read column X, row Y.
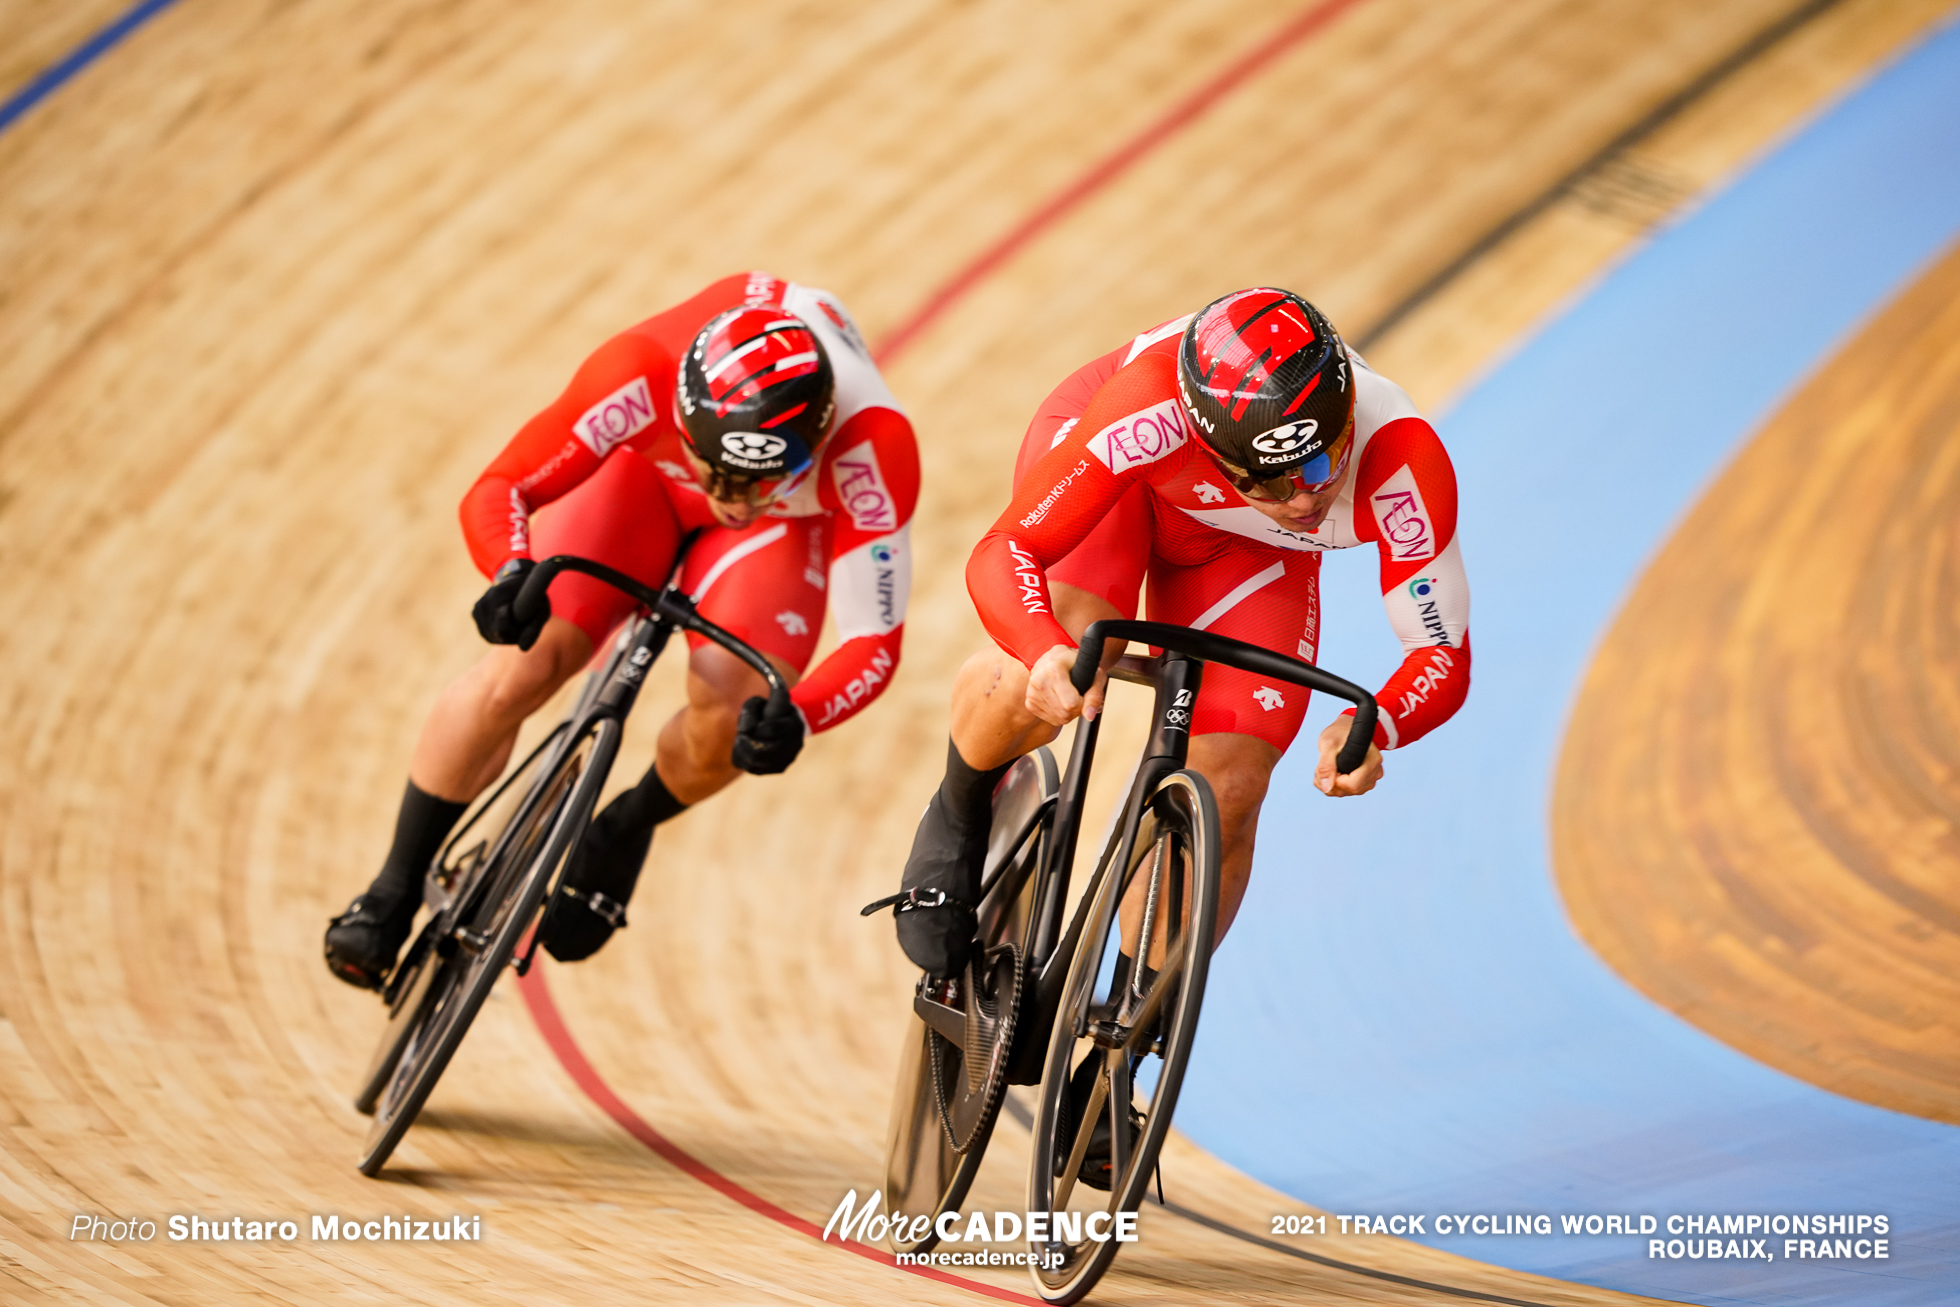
column 948, row 1021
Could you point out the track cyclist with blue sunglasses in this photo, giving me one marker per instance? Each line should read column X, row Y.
column 1207, row 465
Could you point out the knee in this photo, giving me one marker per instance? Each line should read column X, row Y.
column 713, row 716
column 718, row 684
column 517, row 691
column 1239, row 792
column 516, row 683
column 1238, row 774
column 991, row 683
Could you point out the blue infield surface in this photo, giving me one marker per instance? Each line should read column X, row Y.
column 1403, row 1020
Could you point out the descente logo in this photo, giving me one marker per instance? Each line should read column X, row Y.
column 869, row 1225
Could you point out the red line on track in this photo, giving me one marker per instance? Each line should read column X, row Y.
column 1112, row 166
column 537, row 997
column 544, row 1012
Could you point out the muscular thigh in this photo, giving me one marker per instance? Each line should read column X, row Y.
column 1266, row 597
column 620, row 517
column 764, row 584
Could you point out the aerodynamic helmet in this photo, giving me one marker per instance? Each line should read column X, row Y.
column 756, row 394
column 1265, row 381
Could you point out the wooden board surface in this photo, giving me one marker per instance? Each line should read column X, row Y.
column 281, row 278
column 1757, row 817
column 37, row 34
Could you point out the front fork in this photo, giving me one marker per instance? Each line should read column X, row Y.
column 619, row 685
column 1178, row 680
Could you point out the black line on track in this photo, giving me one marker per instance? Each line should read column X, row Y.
column 1019, row 1111
column 1659, row 116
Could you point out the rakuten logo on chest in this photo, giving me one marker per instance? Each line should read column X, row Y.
column 1404, row 518
column 1140, row 438
column 861, row 489
column 617, row 418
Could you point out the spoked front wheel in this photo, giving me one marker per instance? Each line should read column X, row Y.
column 453, row 880
column 1122, row 1037
column 464, row 965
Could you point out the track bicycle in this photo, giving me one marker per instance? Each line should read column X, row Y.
column 1108, row 1002
column 496, row 873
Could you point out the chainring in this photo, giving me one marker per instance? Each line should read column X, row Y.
column 968, row 1082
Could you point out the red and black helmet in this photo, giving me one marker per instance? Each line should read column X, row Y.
column 756, row 394
column 1265, row 380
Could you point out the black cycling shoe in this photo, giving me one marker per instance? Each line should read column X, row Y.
column 362, row 942
column 1096, row 1161
column 591, row 900
column 934, row 905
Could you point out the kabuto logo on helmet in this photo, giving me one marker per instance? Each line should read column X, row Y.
column 752, row 448
column 1262, row 372
column 755, row 392
column 1285, row 444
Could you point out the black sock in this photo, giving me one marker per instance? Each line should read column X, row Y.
column 966, row 796
column 643, row 807
column 424, row 823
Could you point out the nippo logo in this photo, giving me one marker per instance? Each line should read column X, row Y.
column 862, row 491
column 1140, row 438
column 1288, row 439
column 748, row 448
column 1403, row 518
column 617, row 418
column 1421, row 587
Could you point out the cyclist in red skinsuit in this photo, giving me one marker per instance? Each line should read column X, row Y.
column 1117, row 487
column 612, row 475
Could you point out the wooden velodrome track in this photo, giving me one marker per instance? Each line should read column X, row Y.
column 280, row 277
column 1757, row 804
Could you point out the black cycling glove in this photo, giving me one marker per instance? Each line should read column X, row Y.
column 494, row 618
column 766, row 743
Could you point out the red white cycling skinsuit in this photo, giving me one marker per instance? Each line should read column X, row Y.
column 606, row 457
column 1112, row 489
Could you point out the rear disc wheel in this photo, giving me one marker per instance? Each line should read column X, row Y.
column 948, row 1095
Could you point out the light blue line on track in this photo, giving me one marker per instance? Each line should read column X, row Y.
column 1402, row 1020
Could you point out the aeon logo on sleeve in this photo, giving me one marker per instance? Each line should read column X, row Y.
column 617, row 418
column 1140, row 438
column 861, row 489
column 1404, row 518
